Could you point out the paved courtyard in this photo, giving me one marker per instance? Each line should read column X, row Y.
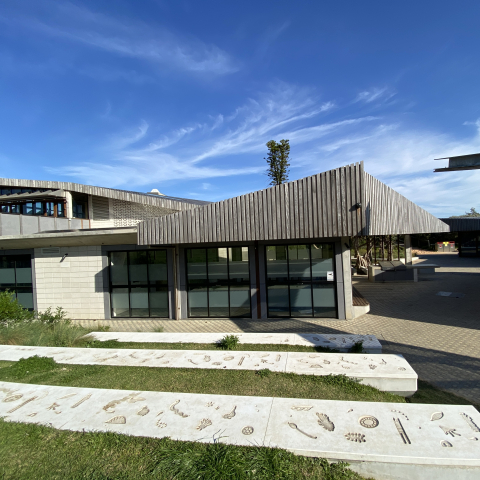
column 439, row 336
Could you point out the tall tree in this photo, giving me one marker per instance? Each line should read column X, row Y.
column 277, row 160
column 471, row 213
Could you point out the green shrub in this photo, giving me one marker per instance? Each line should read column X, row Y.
column 264, row 372
column 31, row 365
column 357, row 347
column 11, row 312
column 52, row 318
column 229, row 342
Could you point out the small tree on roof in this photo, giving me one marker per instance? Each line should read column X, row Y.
column 277, row 160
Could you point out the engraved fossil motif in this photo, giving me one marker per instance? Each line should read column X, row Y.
column 165, row 362
column 343, row 340
column 316, row 339
column 450, row 431
column 159, row 413
column 206, row 358
column 216, row 363
column 13, row 398
column 295, row 427
column 143, row 411
column 401, row 431
column 444, row 443
column 130, row 398
column 325, row 422
column 473, row 438
column 241, row 361
column 315, row 365
column 161, row 356
column 355, row 437
column 402, row 369
column 301, row 408
column 351, row 410
column 265, row 355
column 470, row 422
column 368, row 421
column 217, row 408
column 107, row 358
column 326, row 362
column 373, row 367
column 278, row 358
column 22, row 404
column 118, row 420
column 247, row 430
column 133, row 356
column 346, row 361
column 401, row 413
column 53, row 406
column 227, row 359
column 345, row 367
column 383, row 362
column 436, row 416
column 32, row 414
column 332, row 338
column 176, row 411
column 209, row 404
column 161, row 424
column 191, row 361
column 67, row 396
column 231, row 414
column 204, row 423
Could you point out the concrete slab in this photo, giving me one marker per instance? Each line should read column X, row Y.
column 390, row 373
column 386, row 440
column 339, row 342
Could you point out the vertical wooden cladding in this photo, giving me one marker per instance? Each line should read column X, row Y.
column 320, row 206
column 388, row 212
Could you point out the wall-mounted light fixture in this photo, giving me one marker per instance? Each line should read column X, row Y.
column 358, row 205
column 64, row 256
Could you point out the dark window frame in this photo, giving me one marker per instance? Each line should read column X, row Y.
column 311, row 282
column 24, row 289
column 129, row 284
column 207, row 283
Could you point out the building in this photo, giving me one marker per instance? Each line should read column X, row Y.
column 279, row 252
column 468, row 229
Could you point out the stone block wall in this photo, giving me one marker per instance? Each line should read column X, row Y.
column 76, row 283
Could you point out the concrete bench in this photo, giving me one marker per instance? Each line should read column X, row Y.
column 409, row 272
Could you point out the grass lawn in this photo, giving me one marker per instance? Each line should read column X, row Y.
column 188, row 380
column 31, row 451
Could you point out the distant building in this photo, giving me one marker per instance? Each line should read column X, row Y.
column 468, row 229
column 280, row 252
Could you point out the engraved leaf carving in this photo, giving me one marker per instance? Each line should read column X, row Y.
column 355, row 437
column 325, row 422
column 231, row 414
column 118, row 420
column 204, row 423
column 143, row 411
column 436, row 416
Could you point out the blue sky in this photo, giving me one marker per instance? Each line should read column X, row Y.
column 182, row 96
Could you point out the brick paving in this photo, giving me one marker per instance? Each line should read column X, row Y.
column 439, row 336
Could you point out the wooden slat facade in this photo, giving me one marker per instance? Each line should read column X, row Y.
column 463, row 224
column 164, row 201
column 342, row 202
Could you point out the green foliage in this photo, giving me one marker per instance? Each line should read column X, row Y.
column 52, row 318
column 99, row 344
column 471, row 213
column 229, row 342
column 11, row 312
column 277, row 159
column 264, row 372
column 31, row 451
column 32, row 365
column 357, row 347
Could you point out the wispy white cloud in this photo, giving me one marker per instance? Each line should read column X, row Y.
column 375, row 94
column 228, row 145
column 124, row 37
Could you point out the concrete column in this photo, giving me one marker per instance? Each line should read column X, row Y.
column 68, row 198
column 408, row 250
column 347, row 278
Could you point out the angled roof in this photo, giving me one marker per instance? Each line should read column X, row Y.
column 341, row 202
column 460, row 162
column 463, row 224
column 165, row 201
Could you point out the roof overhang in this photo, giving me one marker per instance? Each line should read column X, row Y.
column 461, row 162
column 25, row 197
column 74, row 238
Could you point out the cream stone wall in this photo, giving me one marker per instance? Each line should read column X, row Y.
column 76, row 283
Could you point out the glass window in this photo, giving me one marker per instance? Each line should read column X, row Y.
column 138, row 268
column 218, row 282
column 79, row 205
column 60, row 210
column 28, row 208
column 139, row 284
column 16, row 276
column 118, row 268
column 297, row 283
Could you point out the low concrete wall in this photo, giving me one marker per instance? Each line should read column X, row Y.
column 28, row 224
